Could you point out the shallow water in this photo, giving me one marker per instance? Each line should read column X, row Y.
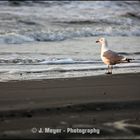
column 70, row 58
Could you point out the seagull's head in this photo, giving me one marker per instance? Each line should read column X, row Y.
column 101, row 41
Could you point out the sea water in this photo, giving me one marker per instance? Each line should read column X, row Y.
column 55, row 39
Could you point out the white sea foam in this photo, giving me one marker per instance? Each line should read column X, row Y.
column 15, row 38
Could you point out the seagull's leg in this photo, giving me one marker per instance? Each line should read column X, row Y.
column 108, row 72
column 108, row 69
column 111, row 68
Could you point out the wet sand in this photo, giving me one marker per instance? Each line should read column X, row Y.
column 107, row 104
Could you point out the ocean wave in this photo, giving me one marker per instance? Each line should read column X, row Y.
column 30, row 21
column 47, row 3
column 62, row 35
column 25, row 59
column 131, row 15
column 49, row 61
column 14, row 38
column 100, row 21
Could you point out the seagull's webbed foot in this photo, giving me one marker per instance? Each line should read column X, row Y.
column 108, row 73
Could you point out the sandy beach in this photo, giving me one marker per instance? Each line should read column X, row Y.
column 107, row 104
column 52, row 78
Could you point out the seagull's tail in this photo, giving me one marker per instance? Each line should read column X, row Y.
column 128, row 60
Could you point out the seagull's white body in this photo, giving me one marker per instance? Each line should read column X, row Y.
column 104, row 49
column 110, row 57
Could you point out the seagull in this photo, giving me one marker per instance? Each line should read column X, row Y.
column 110, row 57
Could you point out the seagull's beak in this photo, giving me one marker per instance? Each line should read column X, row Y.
column 97, row 41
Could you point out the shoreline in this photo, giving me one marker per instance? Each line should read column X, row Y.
column 70, row 58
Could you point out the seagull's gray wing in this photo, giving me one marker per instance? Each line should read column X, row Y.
column 113, row 57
